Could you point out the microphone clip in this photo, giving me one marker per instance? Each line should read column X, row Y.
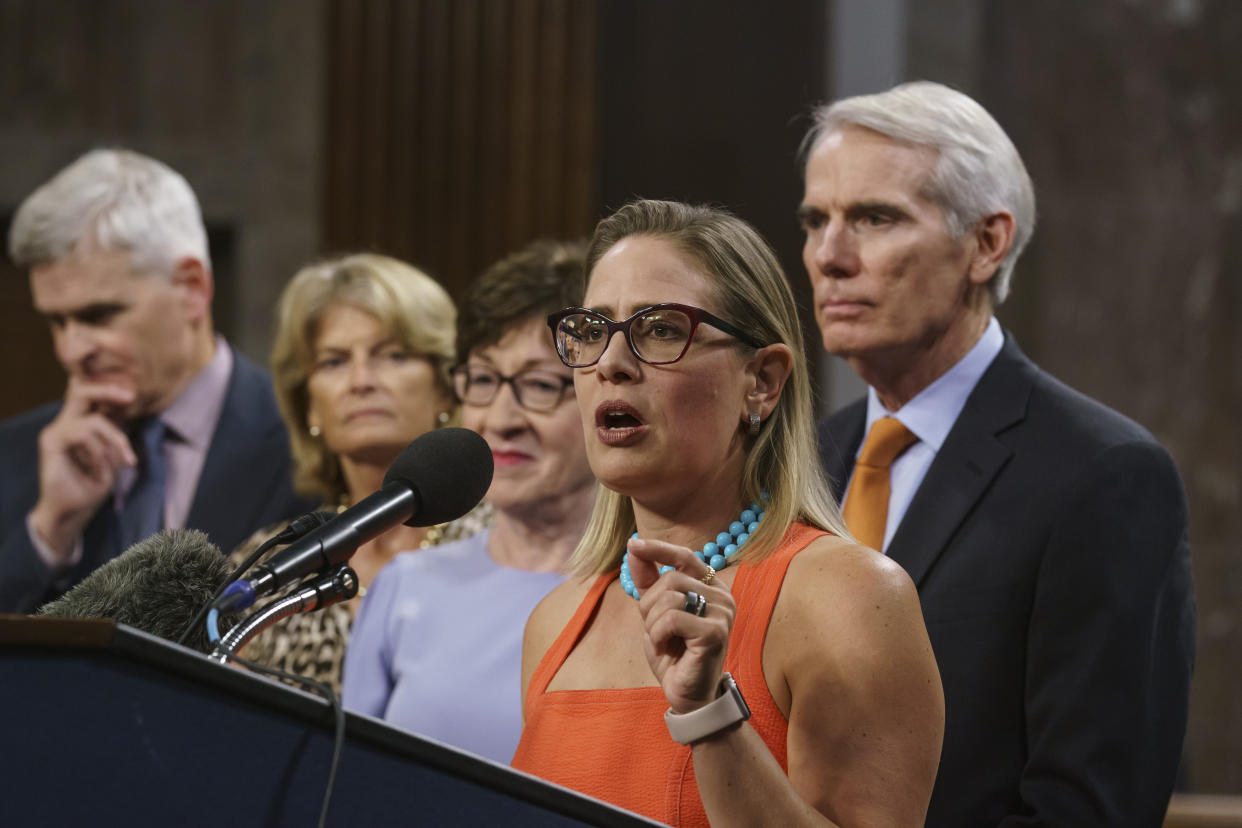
column 323, row 590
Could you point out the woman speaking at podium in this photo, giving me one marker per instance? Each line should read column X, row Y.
column 725, row 653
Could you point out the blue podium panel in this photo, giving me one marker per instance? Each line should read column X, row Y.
column 105, row 725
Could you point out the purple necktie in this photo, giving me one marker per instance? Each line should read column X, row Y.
column 143, row 513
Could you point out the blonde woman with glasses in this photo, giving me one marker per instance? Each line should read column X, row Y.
column 724, row 651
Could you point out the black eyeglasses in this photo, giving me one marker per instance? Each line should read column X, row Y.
column 534, row 389
column 657, row 335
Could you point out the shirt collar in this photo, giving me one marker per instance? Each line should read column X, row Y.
column 932, row 412
column 192, row 416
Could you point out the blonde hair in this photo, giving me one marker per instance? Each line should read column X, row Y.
column 754, row 295
column 410, row 304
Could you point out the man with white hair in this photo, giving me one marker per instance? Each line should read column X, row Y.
column 1045, row 532
column 162, row 425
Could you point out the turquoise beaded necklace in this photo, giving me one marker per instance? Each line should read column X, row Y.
column 717, row 554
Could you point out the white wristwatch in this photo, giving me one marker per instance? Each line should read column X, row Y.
column 713, row 717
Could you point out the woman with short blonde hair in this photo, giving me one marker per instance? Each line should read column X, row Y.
column 360, row 364
column 406, row 301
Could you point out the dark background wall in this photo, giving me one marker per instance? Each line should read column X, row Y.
column 704, row 101
column 230, row 93
column 450, row 131
column 459, row 130
column 1129, row 116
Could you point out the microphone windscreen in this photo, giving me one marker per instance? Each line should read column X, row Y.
column 449, row 468
column 157, row 586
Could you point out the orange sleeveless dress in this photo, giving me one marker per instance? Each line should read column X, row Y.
column 613, row 745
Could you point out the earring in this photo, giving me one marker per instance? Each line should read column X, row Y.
column 755, row 422
column 443, row 417
column 314, row 431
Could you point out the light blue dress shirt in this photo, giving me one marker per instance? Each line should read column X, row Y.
column 930, row 415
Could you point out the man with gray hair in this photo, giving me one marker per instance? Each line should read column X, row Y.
column 1045, row 532
column 162, row 425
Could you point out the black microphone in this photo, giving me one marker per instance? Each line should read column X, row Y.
column 299, row 526
column 437, row 478
column 157, row 585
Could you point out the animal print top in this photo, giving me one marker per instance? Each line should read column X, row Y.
column 312, row 644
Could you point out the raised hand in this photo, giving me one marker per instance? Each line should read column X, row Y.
column 686, row 651
column 80, row 454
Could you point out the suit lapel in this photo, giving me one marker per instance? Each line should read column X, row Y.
column 966, row 464
column 232, row 470
column 101, row 540
column 839, row 438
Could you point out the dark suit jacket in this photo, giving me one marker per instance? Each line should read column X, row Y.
column 1048, row 544
column 246, row 484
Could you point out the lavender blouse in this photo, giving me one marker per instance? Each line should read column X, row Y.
column 437, row 646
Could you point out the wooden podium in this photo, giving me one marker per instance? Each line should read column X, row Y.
column 104, row 725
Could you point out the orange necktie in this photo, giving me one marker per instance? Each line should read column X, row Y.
column 866, row 503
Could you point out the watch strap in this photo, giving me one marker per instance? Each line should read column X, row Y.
column 728, row 709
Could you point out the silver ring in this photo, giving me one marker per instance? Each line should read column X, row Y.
column 695, row 604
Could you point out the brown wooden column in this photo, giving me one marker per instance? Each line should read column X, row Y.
column 459, row 130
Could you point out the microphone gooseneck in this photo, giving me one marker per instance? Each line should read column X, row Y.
column 297, row 528
column 328, row 589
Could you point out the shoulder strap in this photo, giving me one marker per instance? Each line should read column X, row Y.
column 755, row 590
column 568, row 639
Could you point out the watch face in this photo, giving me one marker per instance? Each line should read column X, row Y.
column 733, row 689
